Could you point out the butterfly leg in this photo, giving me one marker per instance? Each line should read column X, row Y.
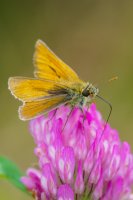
column 68, row 118
column 83, row 112
column 54, row 113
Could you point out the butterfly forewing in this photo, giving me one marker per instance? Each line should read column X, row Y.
column 49, row 66
column 28, row 89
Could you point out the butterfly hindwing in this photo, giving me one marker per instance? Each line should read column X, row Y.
column 32, row 109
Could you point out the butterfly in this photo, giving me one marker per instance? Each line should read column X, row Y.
column 54, row 84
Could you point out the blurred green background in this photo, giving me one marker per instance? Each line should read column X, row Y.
column 94, row 37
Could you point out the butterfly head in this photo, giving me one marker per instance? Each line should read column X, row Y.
column 90, row 91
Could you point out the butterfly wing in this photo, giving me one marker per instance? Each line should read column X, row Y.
column 55, row 84
column 30, row 89
column 29, row 110
column 49, row 66
column 38, row 96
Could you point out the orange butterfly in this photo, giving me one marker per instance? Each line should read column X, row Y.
column 55, row 83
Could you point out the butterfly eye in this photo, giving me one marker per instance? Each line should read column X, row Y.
column 85, row 93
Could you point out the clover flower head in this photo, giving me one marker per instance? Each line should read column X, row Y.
column 77, row 159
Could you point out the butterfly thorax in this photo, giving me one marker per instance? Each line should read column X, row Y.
column 83, row 93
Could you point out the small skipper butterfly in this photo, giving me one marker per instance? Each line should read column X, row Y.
column 54, row 84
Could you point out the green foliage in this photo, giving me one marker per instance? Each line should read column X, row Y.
column 9, row 171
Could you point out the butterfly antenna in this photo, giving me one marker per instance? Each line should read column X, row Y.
column 109, row 104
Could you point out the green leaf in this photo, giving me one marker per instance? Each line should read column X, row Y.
column 9, row 171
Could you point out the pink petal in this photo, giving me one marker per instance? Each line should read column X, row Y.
column 66, row 164
column 48, row 181
column 65, row 192
column 79, row 182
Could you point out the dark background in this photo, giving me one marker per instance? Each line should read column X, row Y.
column 94, row 37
